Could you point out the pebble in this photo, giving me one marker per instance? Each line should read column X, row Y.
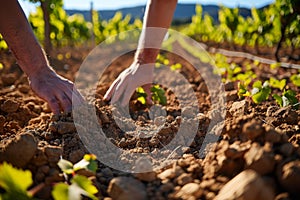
column 253, row 129
column 10, row 106
column 238, row 108
column 189, row 190
column 19, row 151
column 259, row 160
column 289, row 176
column 126, row 188
column 247, row 185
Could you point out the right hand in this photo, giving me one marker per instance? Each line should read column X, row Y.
column 56, row 90
column 131, row 78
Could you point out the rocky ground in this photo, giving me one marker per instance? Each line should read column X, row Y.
column 256, row 157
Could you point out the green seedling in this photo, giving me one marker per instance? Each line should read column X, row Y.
column 260, row 92
column 295, row 78
column 14, row 182
column 280, row 84
column 77, row 186
column 158, row 95
column 288, row 98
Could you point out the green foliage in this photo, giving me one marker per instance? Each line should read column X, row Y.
column 280, row 84
column 80, row 185
column 158, row 95
column 242, row 91
column 260, row 92
column 288, row 98
column 295, row 78
column 14, row 182
column 88, row 162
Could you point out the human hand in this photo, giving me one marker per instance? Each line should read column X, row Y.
column 124, row 86
column 56, row 90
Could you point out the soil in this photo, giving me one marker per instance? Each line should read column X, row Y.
column 256, row 157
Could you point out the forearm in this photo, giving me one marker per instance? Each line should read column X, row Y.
column 18, row 34
column 158, row 14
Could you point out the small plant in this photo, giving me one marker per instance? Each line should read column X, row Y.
column 295, row 78
column 158, row 95
column 288, row 98
column 280, row 84
column 76, row 185
column 260, row 92
column 14, row 183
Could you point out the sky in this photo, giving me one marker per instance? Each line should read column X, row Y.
column 114, row 4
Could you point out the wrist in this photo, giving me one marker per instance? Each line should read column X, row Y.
column 146, row 56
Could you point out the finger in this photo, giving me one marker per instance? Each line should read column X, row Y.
column 119, row 91
column 111, row 90
column 76, row 98
column 147, row 89
column 54, row 106
column 127, row 96
column 65, row 102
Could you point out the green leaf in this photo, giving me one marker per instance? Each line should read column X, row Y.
column 81, row 185
column 88, row 162
column 295, row 78
column 60, row 191
column 15, row 182
column 262, row 95
column 158, row 94
column 278, row 99
column 280, row 84
column 243, row 92
column 66, row 166
column 291, row 96
column 257, row 84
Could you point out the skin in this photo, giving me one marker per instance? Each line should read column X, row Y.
column 159, row 13
column 48, row 85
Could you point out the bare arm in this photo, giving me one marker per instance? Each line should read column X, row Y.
column 159, row 14
column 18, row 34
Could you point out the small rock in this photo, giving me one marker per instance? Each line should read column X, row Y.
column 229, row 86
column 238, row 108
column 19, row 151
column 259, row 160
column 167, row 174
column 247, row 185
column 126, row 188
column 253, row 129
column 231, row 95
column 65, row 127
column 53, row 153
column 287, row 114
column 286, row 149
column 76, row 155
column 10, row 106
column 184, row 178
column 272, row 135
column 289, row 176
column 189, row 190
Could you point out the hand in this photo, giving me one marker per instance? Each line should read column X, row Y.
column 124, row 86
column 56, row 90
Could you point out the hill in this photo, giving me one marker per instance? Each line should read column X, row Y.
column 183, row 12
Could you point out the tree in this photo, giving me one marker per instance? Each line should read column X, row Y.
column 48, row 7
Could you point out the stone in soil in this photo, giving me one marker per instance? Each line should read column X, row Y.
column 289, row 176
column 126, row 188
column 260, row 159
column 10, row 106
column 247, row 185
column 189, row 191
column 19, row 151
